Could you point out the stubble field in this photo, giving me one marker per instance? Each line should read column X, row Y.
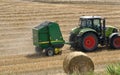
column 17, row 18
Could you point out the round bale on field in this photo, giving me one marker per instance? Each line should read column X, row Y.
column 78, row 62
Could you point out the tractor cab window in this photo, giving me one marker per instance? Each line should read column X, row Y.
column 89, row 23
column 83, row 23
column 97, row 24
column 86, row 23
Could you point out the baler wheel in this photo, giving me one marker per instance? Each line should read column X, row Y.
column 50, row 51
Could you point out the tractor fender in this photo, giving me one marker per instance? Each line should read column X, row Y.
column 87, row 30
column 112, row 35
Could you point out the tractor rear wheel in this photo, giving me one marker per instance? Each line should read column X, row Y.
column 115, row 42
column 88, row 42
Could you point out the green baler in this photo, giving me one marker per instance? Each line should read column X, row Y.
column 47, row 36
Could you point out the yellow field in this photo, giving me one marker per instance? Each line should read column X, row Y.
column 17, row 18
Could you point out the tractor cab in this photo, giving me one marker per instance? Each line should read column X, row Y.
column 94, row 22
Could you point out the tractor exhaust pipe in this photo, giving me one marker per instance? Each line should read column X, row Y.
column 104, row 38
column 104, row 28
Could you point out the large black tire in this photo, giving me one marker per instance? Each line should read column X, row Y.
column 50, row 51
column 115, row 42
column 88, row 42
column 38, row 50
column 72, row 41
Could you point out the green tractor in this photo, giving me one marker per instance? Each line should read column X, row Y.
column 92, row 31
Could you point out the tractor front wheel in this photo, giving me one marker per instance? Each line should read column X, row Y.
column 89, row 42
column 115, row 42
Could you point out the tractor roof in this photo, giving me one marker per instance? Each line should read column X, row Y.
column 91, row 17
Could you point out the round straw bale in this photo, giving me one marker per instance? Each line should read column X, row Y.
column 77, row 62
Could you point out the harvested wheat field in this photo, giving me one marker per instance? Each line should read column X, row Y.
column 18, row 17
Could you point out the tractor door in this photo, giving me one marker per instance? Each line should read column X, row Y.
column 97, row 25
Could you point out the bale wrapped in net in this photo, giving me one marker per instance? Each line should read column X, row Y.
column 77, row 62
